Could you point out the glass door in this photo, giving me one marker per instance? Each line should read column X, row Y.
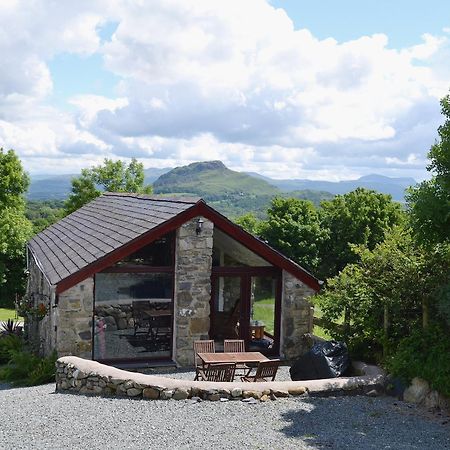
column 245, row 305
column 262, row 322
column 226, row 308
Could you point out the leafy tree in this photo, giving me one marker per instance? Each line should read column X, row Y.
column 14, row 181
column 15, row 229
column 293, row 227
column 358, row 217
column 429, row 202
column 384, row 296
column 249, row 223
column 43, row 213
column 112, row 176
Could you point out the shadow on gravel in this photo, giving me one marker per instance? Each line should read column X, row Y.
column 361, row 423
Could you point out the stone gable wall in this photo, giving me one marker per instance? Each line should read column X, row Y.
column 296, row 316
column 74, row 331
column 40, row 333
column 192, row 288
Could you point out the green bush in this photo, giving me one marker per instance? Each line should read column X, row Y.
column 9, row 343
column 424, row 354
column 26, row 369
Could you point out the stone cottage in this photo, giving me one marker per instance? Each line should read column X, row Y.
column 132, row 279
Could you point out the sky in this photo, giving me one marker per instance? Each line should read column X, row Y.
column 327, row 90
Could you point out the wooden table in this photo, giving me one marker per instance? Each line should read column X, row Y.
column 238, row 358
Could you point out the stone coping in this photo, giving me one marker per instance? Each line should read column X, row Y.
column 83, row 376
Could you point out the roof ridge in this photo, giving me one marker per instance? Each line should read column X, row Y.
column 184, row 200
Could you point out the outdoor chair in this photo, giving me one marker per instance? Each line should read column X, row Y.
column 265, row 370
column 217, row 372
column 237, row 346
column 205, row 346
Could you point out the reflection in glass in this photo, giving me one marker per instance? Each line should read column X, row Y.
column 133, row 315
column 262, row 312
column 227, row 303
column 157, row 254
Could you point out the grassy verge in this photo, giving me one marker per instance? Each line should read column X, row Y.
column 6, row 314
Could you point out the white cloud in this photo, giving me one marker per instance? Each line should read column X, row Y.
column 226, row 80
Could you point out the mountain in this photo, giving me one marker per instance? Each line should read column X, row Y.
column 152, row 174
column 211, row 179
column 54, row 187
column 58, row 187
column 232, row 193
column 393, row 186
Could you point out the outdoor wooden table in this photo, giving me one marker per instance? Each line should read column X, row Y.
column 238, row 358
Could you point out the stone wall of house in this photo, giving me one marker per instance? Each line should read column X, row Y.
column 296, row 316
column 74, row 331
column 40, row 332
column 193, row 266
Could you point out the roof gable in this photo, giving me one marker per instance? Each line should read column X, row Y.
column 116, row 224
column 99, row 228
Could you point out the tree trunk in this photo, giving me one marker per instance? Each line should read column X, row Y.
column 425, row 313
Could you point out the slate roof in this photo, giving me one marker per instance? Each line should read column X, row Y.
column 98, row 228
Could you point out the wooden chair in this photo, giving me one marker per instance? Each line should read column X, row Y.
column 265, row 369
column 237, row 346
column 217, row 372
column 206, row 346
column 233, row 345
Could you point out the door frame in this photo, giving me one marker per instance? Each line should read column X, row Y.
column 245, row 274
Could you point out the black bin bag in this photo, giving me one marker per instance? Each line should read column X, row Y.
column 327, row 359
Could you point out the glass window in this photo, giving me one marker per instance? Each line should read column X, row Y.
column 262, row 312
column 227, row 252
column 157, row 254
column 133, row 316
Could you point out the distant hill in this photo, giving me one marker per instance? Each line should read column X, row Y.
column 211, row 179
column 152, row 174
column 393, row 186
column 232, row 193
column 56, row 187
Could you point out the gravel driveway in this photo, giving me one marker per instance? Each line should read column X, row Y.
column 38, row 418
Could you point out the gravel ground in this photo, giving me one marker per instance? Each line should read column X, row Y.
column 38, row 418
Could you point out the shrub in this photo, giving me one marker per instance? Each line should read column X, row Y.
column 10, row 327
column 424, row 354
column 26, row 369
column 8, row 344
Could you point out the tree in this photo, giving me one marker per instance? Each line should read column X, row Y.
column 385, row 295
column 429, row 202
column 112, row 176
column 358, row 217
column 293, row 227
column 249, row 223
column 14, row 181
column 15, row 229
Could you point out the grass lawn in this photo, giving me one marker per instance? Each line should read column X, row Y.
column 263, row 310
column 6, row 314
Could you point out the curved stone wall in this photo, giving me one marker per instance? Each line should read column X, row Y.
column 82, row 376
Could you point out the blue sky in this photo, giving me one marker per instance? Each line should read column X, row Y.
column 403, row 21
column 322, row 90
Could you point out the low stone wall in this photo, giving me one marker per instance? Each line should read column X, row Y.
column 82, row 376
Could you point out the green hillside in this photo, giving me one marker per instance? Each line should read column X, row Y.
column 211, row 180
column 232, row 193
